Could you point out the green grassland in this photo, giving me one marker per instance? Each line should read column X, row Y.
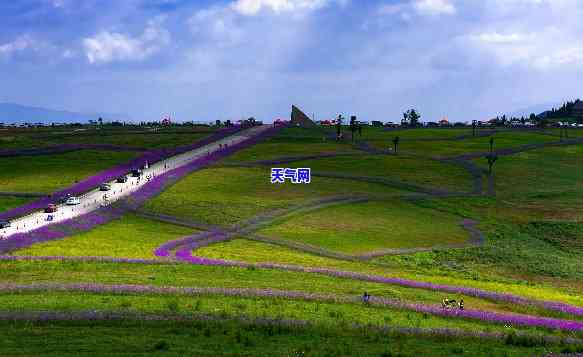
column 49, row 173
column 533, row 246
column 31, row 272
column 244, row 250
column 7, row 202
column 367, row 227
column 538, row 251
column 571, row 132
column 128, row 237
column 225, row 196
column 291, row 142
column 204, row 338
column 275, row 308
column 142, row 140
column 449, row 148
column 127, row 136
column 18, row 141
column 408, row 169
column 548, row 172
column 380, row 134
column 237, row 278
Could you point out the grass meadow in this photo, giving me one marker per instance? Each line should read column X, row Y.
column 451, row 148
column 368, row 227
column 407, row 169
column 202, row 338
column 8, row 202
column 532, row 248
column 225, row 195
column 128, row 237
column 49, row 173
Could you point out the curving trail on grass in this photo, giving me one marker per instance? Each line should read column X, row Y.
column 517, row 149
column 303, row 247
column 264, row 219
column 477, row 239
column 433, row 309
column 388, row 182
column 176, row 221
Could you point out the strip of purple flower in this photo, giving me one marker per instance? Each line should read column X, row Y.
column 147, row 191
column 185, row 254
column 110, row 174
column 437, row 310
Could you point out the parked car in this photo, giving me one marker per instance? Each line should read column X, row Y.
column 51, row 208
column 122, row 179
column 136, row 173
column 72, row 201
column 4, row 224
column 105, row 187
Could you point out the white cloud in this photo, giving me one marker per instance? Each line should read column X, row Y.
column 58, row 3
column 434, row 7
column 108, row 46
column 253, row 7
column 561, row 57
column 390, row 9
column 500, row 38
column 549, row 48
column 406, row 10
column 22, row 43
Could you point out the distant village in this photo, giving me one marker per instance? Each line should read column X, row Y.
column 569, row 114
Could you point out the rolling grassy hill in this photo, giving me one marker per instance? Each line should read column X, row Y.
column 255, row 268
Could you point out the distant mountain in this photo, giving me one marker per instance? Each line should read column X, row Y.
column 536, row 109
column 16, row 113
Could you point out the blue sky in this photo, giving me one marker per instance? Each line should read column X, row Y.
column 207, row 60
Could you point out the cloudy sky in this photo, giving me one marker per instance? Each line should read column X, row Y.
column 206, row 60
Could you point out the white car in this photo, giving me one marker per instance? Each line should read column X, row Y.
column 72, row 201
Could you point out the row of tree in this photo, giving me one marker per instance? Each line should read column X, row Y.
column 565, row 110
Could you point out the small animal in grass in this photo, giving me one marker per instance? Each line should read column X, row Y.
column 446, row 303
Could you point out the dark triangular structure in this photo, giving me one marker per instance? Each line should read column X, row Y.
column 298, row 118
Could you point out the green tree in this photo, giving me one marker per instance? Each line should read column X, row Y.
column 412, row 117
column 532, row 117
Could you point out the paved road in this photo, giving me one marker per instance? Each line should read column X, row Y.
column 94, row 199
